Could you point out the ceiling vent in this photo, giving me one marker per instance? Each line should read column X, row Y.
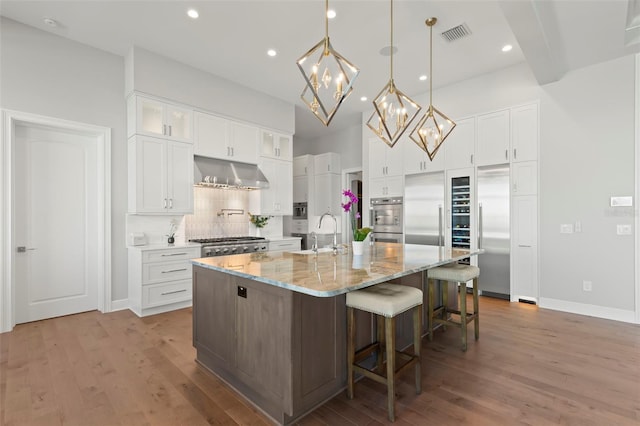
column 456, row 33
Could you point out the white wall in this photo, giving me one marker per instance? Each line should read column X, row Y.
column 49, row 75
column 161, row 76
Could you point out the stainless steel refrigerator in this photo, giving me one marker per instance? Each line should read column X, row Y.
column 494, row 230
column 423, row 212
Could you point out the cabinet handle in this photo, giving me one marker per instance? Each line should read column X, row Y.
column 515, row 187
column 506, row 154
column 305, row 170
column 471, row 158
column 164, row 129
column 515, row 154
column 169, row 126
column 173, row 292
column 170, row 203
column 174, row 270
column 173, row 254
column 164, row 206
column 232, row 151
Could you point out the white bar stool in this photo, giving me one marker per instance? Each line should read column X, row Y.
column 458, row 274
column 385, row 301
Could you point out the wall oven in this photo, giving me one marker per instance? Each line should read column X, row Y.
column 299, row 211
column 386, row 219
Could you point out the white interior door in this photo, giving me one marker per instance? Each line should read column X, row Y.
column 56, row 224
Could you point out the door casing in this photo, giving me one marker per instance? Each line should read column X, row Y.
column 7, row 272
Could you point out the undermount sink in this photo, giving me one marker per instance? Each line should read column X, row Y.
column 320, row 250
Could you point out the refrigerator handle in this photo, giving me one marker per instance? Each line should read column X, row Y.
column 480, row 225
column 440, row 226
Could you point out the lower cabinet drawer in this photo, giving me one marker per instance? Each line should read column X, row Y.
column 284, row 246
column 165, row 271
column 163, row 294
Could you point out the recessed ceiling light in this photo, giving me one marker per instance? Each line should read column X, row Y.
column 507, row 47
column 364, row 98
column 50, row 22
column 422, row 77
column 272, row 52
column 193, row 14
column 331, row 13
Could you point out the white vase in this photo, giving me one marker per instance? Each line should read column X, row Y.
column 257, row 232
column 358, row 247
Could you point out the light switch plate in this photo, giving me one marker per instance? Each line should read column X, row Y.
column 621, row 201
column 566, row 228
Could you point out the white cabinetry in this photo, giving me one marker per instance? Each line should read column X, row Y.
column 383, row 160
column 329, row 162
column 303, row 165
column 156, row 118
column 460, row 144
column 524, row 132
column 217, row 137
column 292, row 244
column 160, row 176
column 327, row 193
column 524, row 178
column 386, row 186
column 160, row 279
column 524, row 247
column 417, row 161
column 277, row 199
column 275, row 145
column 492, row 145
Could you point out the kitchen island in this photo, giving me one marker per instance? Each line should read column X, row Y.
column 273, row 325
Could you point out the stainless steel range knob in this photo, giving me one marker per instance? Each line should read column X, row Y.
column 256, row 248
column 234, row 249
column 245, row 249
column 225, row 250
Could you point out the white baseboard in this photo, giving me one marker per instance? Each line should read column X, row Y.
column 589, row 310
column 119, row 305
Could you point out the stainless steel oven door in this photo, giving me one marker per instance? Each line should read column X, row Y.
column 388, row 237
column 386, row 218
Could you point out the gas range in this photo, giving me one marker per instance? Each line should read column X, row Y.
column 231, row 245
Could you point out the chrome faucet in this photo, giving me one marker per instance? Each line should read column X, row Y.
column 314, row 245
column 372, row 237
column 335, row 230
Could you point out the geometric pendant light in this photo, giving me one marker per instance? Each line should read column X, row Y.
column 434, row 127
column 394, row 110
column 328, row 75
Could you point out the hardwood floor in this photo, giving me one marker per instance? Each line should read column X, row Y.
column 530, row 366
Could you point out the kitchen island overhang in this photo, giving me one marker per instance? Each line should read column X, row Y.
column 273, row 325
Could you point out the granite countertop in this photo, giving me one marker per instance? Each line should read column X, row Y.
column 325, row 274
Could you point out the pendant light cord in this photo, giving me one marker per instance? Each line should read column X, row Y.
column 326, row 19
column 431, row 67
column 391, row 40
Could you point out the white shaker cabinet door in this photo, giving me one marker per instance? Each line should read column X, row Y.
column 493, row 138
column 180, row 178
column 460, row 144
column 524, row 248
column 524, row 133
column 212, row 135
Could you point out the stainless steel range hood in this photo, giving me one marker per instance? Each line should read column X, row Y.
column 215, row 173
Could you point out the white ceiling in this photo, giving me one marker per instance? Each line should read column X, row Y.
column 230, row 39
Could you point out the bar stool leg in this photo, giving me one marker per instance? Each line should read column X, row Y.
column 444, row 287
column 476, row 311
column 463, row 314
column 351, row 337
column 430, row 284
column 380, row 336
column 390, row 331
column 417, row 346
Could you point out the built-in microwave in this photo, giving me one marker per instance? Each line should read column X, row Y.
column 299, row 211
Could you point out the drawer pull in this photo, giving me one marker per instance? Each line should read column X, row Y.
column 173, row 254
column 174, row 270
column 173, row 292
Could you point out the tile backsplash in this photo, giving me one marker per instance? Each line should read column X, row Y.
column 224, row 213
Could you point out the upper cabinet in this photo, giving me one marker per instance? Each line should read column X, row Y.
column 384, row 160
column 218, row 137
column 277, row 200
column 460, row 144
column 492, row 144
column 417, row 161
column 160, row 176
column 329, row 162
column 303, row 165
column 275, row 145
column 524, row 133
column 151, row 117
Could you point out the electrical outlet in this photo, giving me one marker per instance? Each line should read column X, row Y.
column 586, row 285
column 566, row 228
column 623, row 229
column 577, row 226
